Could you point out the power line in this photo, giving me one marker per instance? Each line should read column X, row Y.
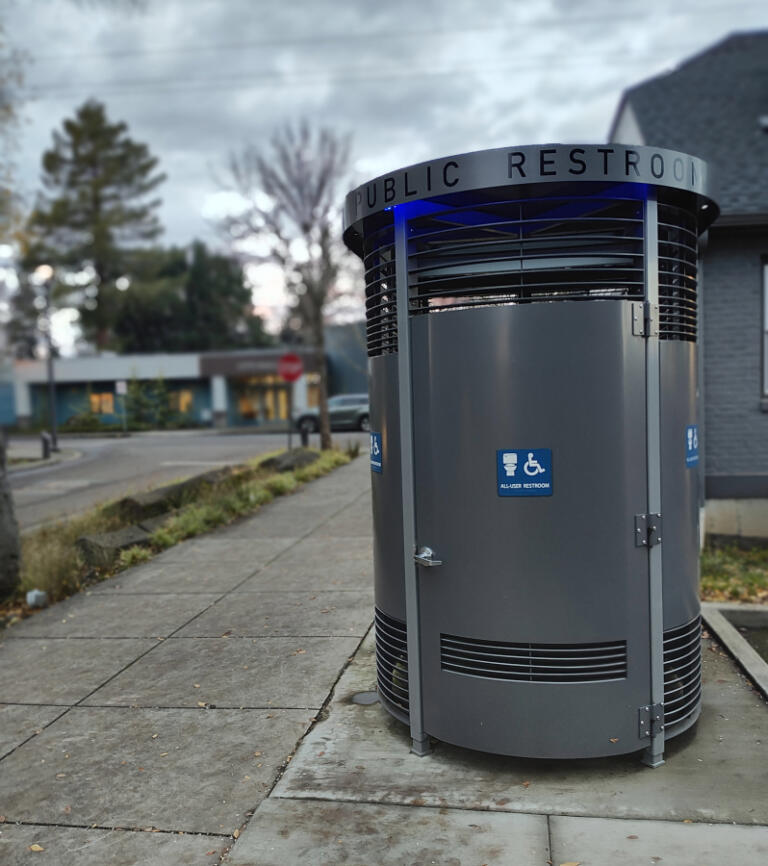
column 318, row 77
column 403, row 33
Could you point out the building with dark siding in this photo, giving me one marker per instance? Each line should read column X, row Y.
column 715, row 106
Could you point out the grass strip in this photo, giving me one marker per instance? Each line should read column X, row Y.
column 51, row 562
column 731, row 573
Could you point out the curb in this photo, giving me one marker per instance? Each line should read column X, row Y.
column 720, row 619
column 64, row 456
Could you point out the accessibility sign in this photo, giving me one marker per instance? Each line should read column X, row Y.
column 377, row 455
column 524, row 472
column 692, row 445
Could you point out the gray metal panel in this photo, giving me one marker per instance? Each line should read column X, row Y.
column 679, row 484
column 387, row 489
column 553, row 164
column 562, row 569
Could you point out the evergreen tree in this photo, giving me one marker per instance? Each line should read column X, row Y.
column 95, row 206
column 22, row 330
column 186, row 302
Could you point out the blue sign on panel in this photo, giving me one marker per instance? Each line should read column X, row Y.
column 524, row 472
column 377, row 455
column 692, row 445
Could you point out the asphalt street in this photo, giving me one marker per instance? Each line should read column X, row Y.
column 108, row 468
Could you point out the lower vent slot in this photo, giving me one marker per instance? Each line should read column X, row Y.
column 535, row 663
column 682, row 671
column 392, row 660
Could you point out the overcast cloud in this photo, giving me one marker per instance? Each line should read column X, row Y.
column 411, row 80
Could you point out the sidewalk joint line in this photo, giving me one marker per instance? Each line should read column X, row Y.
column 9, row 822
column 549, row 838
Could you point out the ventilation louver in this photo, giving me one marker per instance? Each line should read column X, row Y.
column 380, row 297
column 682, row 671
column 677, row 274
column 392, row 661
column 545, row 249
column 534, row 663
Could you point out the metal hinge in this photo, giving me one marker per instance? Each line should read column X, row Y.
column 647, row 529
column 650, row 719
column 645, row 319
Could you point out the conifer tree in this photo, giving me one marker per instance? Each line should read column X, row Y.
column 95, row 206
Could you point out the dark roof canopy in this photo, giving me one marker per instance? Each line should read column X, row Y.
column 715, row 106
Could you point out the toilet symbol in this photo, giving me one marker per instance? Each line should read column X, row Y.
column 533, row 467
column 510, row 464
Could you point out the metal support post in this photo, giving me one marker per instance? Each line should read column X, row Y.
column 653, row 755
column 419, row 739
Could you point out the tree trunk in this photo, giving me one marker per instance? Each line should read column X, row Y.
column 322, row 368
column 9, row 534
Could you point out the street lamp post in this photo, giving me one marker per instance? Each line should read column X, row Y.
column 44, row 274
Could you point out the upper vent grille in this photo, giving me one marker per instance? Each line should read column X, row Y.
column 682, row 671
column 380, row 298
column 678, row 242
column 536, row 663
column 546, row 249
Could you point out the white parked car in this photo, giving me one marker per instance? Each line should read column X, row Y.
column 346, row 411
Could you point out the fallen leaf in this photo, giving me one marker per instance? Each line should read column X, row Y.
column 67, row 810
column 236, row 833
column 632, row 837
column 195, row 685
column 257, row 754
column 687, row 821
column 163, row 754
column 572, row 863
column 201, row 703
column 36, row 847
column 613, row 739
column 209, row 853
column 61, row 775
column 300, row 652
column 155, row 736
column 525, row 784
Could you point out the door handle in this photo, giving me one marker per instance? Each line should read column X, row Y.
column 425, row 556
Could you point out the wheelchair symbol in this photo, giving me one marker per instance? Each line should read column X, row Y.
column 532, row 467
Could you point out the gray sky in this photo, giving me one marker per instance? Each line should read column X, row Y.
column 411, row 80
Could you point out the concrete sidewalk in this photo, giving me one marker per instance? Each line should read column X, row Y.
column 155, row 719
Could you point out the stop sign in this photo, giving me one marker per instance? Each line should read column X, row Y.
column 290, row 367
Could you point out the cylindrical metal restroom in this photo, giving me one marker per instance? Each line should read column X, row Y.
column 532, row 326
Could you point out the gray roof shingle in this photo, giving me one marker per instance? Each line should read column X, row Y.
column 711, row 106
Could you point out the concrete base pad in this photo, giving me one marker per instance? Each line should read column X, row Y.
column 361, row 753
column 600, row 842
column 327, row 834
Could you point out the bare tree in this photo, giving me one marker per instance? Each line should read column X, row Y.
column 291, row 193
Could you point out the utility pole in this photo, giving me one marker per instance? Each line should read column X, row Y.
column 44, row 275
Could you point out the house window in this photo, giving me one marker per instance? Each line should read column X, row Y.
column 181, row 401
column 103, row 404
